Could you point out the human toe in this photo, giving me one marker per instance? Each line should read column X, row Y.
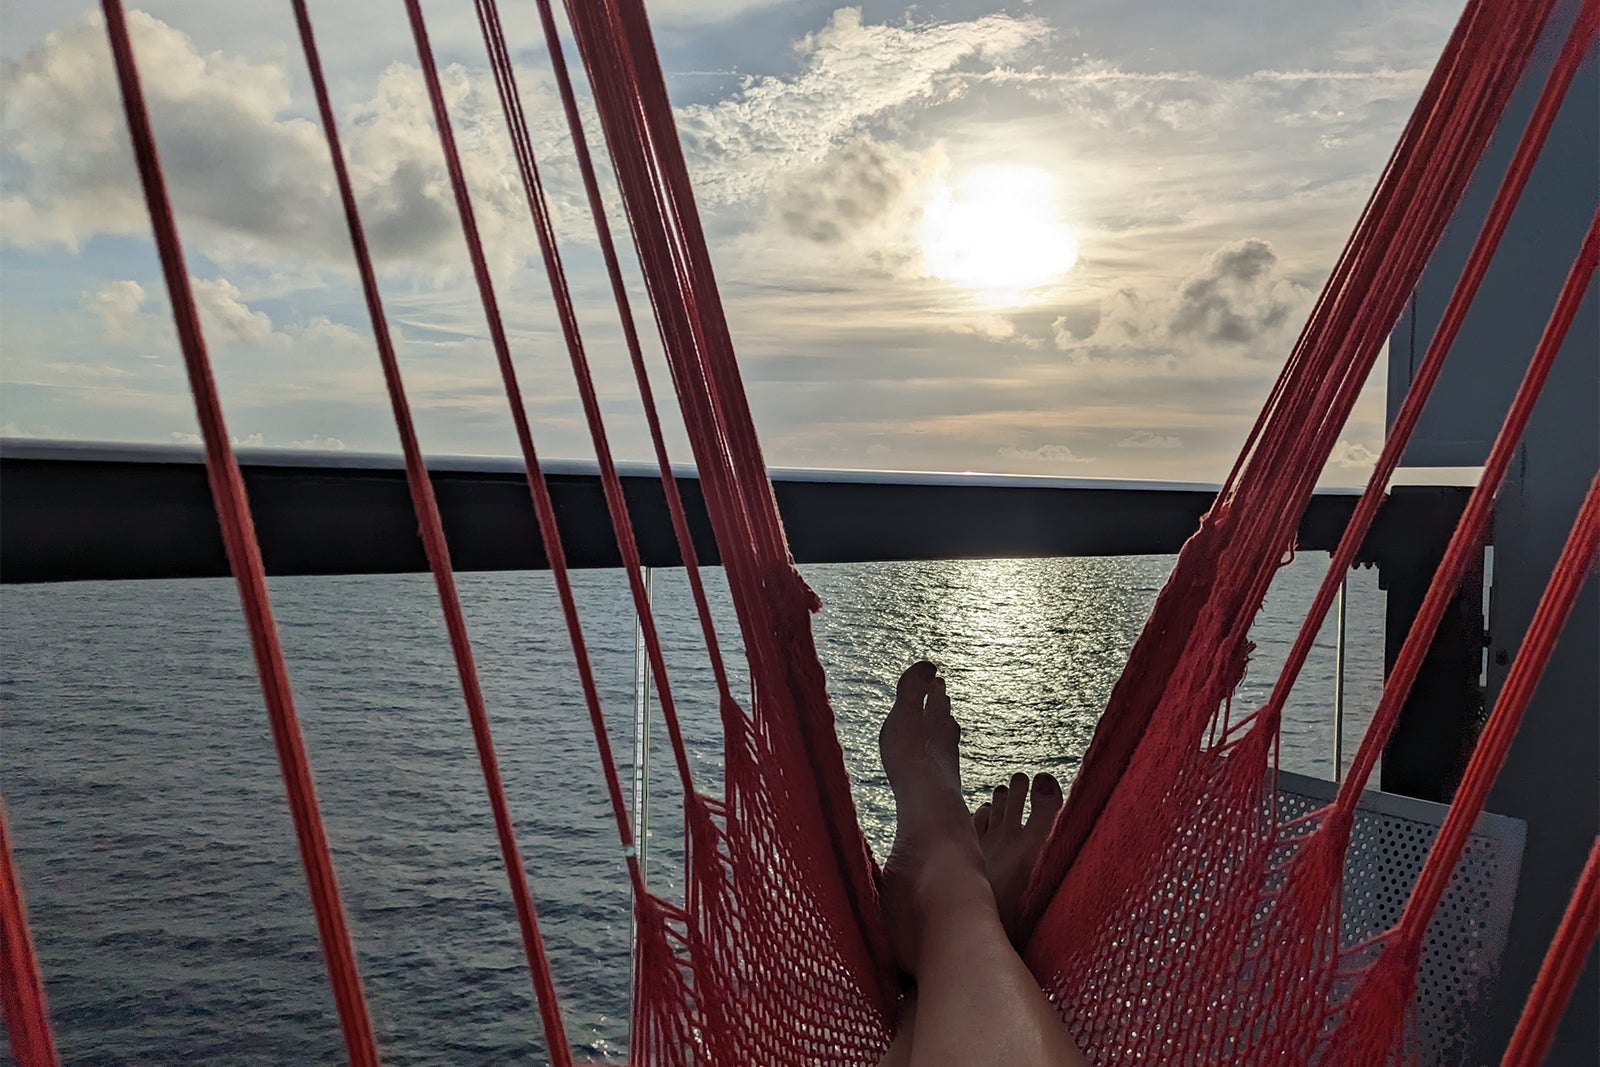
column 1046, row 801
column 912, row 688
column 1016, row 797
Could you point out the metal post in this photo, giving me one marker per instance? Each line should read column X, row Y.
column 641, row 770
column 1438, row 723
column 641, row 734
column 1338, row 681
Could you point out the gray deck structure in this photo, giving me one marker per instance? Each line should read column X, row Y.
column 1552, row 778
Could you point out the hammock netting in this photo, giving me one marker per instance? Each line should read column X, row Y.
column 1178, row 917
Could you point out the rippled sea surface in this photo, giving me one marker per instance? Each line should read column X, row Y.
column 159, row 863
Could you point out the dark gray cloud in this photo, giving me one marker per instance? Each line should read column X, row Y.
column 853, row 188
column 1235, row 297
column 1238, row 302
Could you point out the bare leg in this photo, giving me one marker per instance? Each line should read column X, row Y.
column 1010, row 846
column 976, row 1001
column 899, row 1054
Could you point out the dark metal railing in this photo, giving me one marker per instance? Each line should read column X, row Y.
column 72, row 511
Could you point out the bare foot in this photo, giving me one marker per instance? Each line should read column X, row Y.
column 976, row 1001
column 1011, row 846
column 936, row 852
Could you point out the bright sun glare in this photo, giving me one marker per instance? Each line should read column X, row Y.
column 997, row 231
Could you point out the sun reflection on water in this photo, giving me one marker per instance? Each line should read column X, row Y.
column 1029, row 648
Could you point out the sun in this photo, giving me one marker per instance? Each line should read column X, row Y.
column 997, row 231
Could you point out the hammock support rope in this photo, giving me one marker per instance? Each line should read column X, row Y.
column 777, row 952
column 431, row 529
column 1562, row 965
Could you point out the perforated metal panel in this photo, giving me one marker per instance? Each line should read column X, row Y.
column 1461, row 956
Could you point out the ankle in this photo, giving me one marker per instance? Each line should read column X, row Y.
column 951, row 903
column 951, row 882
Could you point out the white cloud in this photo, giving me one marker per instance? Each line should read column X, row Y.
column 995, row 328
column 226, row 153
column 336, row 336
column 853, row 73
column 1061, row 333
column 226, row 318
column 119, row 307
column 12, row 428
column 131, row 317
column 1150, row 439
column 319, row 443
column 183, row 437
column 1352, row 455
column 250, row 177
column 1050, row 453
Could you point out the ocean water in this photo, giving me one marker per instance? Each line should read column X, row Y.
column 158, row 860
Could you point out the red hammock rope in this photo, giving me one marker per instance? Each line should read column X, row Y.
column 21, row 984
column 431, row 529
column 801, row 769
column 1178, row 918
column 1553, row 988
column 244, row 558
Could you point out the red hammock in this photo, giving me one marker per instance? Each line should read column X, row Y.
column 777, row 953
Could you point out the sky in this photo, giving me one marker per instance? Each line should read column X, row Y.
column 1063, row 238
